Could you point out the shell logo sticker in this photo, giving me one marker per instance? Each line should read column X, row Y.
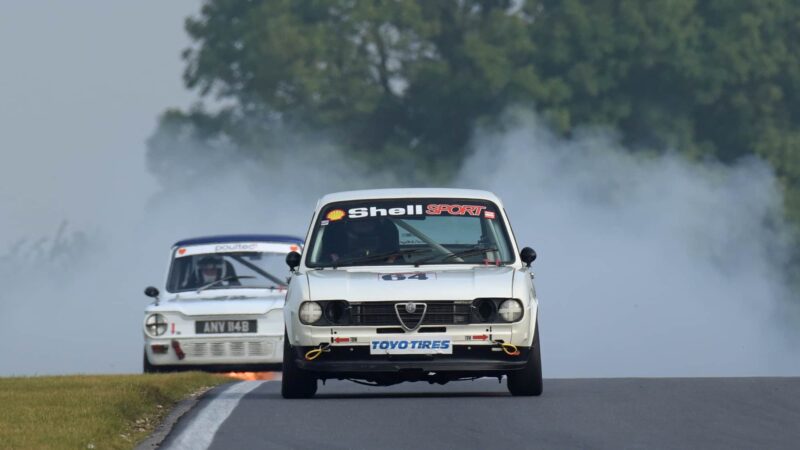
column 336, row 214
column 181, row 251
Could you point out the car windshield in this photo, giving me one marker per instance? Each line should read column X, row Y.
column 194, row 269
column 409, row 231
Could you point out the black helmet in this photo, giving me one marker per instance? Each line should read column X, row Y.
column 210, row 260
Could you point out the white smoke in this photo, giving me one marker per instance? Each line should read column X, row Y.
column 74, row 303
column 648, row 266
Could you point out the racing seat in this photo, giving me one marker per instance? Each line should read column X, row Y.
column 388, row 237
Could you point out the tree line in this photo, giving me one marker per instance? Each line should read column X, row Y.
column 403, row 83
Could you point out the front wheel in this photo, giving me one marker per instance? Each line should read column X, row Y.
column 296, row 382
column 528, row 381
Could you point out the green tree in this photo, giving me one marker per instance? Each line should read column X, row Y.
column 712, row 78
column 401, row 84
column 399, row 81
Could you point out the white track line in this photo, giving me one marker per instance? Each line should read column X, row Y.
column 201, row 431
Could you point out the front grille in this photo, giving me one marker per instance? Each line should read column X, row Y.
column 227, row 349
column 377, row 313
column 236, row 348
column 446, row 312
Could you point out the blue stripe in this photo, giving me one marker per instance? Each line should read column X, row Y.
column 240, row 238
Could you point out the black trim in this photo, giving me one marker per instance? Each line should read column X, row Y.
column 390, row 330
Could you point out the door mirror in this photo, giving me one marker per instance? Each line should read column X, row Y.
column 151, row 291
column 528, row 255
column 293, row 260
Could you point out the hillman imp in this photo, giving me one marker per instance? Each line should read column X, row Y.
column 411, row 285
column 222, row 306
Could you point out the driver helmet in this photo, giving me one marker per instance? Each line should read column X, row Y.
column 210, row 268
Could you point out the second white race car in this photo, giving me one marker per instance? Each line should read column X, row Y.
column 222, row 305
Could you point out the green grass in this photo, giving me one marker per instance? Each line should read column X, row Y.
column 87, row 411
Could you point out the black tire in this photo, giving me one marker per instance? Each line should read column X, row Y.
column 528, row 381
column 296, row 382
column 147, row 367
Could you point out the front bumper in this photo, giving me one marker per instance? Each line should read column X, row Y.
column 518, row 333
column 208, row 352
column 466, row 360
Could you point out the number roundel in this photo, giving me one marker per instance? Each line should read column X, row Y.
column 394, row 277
column 403, row 276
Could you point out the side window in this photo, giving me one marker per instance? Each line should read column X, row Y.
column 178, row 273
column 496, row 235
column 315, row 252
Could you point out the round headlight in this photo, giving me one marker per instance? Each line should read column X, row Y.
column 156, row 324
column 510, row 310
column 310, row 312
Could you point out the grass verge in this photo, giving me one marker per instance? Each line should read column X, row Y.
column 91, row 411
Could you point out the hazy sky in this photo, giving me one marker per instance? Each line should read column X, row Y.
column 81, row 85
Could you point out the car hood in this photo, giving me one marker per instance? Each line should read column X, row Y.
column 218, row 304
column 394, row 284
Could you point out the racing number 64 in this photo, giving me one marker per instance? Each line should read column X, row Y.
column 401, row 277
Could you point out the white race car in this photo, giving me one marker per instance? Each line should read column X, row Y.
column 222, row 307
column 411, row 285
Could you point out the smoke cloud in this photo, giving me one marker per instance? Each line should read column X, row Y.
column 76, row 302
column 649, row 266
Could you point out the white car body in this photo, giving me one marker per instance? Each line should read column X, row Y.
column 380, row 355
column 213, row 329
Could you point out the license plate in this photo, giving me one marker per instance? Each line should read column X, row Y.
column 225, row 326
column 411, row 346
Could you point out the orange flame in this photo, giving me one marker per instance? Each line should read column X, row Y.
column 253, row 376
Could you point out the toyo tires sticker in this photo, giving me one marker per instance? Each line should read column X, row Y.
column 411, row 346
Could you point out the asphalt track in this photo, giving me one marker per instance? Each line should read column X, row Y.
column 707, row 413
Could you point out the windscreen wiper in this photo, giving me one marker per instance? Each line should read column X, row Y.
column 379, row 256
column 467, row 252
column 221, row 280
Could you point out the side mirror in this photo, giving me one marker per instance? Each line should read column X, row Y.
column 293, row 260
column 151, row 291
column 528, row 255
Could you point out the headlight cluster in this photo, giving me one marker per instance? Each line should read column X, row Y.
column 155, row 324
column 331, row 312
column 493, row 310
column 342, row 313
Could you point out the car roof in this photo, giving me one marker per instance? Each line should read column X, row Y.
column 367, row 194
column 240, row 238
